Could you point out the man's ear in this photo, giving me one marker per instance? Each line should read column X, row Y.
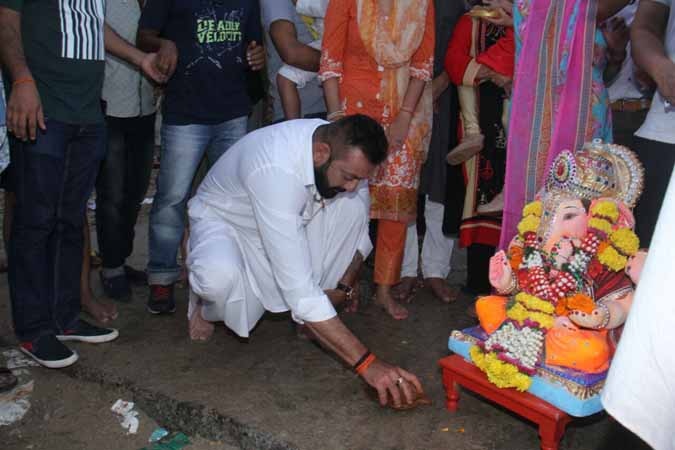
column 320, row 153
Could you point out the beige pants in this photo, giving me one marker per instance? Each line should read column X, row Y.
column 468, row 106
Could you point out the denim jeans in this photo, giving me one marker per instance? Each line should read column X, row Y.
column 121, row 186
column 183, row 147
column 54, row 176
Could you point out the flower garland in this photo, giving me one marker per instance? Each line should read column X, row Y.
column 501, row 374
column 509, row 356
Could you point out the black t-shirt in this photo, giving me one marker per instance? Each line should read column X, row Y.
column 64, row 49
column 209, row 84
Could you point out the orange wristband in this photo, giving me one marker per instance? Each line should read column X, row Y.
column 23, row 80
column 361, row 368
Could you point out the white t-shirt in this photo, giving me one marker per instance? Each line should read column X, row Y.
column 660, row 125
column 640, row 388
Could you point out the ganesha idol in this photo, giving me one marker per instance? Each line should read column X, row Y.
column 565, row 285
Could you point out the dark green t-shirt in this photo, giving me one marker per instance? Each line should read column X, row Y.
column 64, row 48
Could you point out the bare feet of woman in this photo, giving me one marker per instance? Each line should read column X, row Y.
column 387, row 302
column 101, row 310
column 200, row 330
column 441, row 290
column 405, row 290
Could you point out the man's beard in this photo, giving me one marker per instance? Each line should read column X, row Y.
column 321, row 182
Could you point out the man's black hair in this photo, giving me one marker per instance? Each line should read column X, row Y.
column 356, row 131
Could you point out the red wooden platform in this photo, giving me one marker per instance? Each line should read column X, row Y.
column 551, row 420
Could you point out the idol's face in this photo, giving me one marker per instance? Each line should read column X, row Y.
column 570, row 221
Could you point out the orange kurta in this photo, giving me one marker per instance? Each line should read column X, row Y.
column 377, row 88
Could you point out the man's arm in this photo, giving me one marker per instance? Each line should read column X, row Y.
column 334, row 335
column 647, row 48
column 147, row 62
column 24, row 108
column 607, row 8
column 293, row 52
column 277, row 197
column 167, row 53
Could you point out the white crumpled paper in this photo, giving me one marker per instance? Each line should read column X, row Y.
column 126, row 415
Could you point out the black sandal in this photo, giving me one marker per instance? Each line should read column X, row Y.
column 7, row 380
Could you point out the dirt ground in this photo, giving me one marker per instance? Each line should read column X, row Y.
column 272, row 391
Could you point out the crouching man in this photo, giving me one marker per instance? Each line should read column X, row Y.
column 281, row 223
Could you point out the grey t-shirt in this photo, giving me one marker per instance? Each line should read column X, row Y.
column 311, row 96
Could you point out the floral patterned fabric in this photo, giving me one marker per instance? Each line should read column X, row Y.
column 374, row 56
column 4, row 141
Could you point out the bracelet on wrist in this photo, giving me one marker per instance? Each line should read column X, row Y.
column 364, row 362
column 23, row 80
column 513, row 285
column 605, row 320
column 335, row 115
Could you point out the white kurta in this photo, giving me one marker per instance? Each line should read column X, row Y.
column 640, row 388
column 260, row 240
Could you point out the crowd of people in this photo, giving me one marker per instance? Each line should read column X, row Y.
column 407, row 107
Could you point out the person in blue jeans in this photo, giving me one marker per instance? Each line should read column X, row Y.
column 206, row 48
column 54, row 55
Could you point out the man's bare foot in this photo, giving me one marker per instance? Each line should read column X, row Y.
column 200, row 330
column 441, row 290
column 101, row 310
column 405, row 290
column 387, row 302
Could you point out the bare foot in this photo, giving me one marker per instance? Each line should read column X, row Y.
column 387, row 302
column 441, row 290
column 405, row 290
column 200, row 330
column 101, row 310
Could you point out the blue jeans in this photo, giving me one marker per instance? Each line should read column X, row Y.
column 54, row 176
column 183, row 147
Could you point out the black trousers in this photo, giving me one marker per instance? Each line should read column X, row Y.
column 658, row 159
column 121, row 185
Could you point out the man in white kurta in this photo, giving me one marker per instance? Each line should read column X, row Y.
column 640, row 387
column 264, row 236
column 258, row 204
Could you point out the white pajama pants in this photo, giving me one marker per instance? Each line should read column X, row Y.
column 436, row 248
column 230, row 271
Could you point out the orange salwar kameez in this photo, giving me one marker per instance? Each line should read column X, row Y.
column 374, row 55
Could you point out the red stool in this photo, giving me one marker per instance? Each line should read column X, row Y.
column 551, row 420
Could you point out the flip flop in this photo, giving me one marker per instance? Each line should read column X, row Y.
column 7, row 379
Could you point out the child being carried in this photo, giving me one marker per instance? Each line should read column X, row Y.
column 290, row 78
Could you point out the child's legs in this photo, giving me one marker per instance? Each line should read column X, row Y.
column 290, row 98
column 468, row 104
column 506, row 110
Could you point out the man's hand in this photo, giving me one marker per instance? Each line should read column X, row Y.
column 352, row 305
column 391, row 381
column 665, row 81
column 167, row 58
column 149, row 66
column 503, row 82
column 255, row 55
column 505, row 10
column 617, row 35
column 24, row 111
